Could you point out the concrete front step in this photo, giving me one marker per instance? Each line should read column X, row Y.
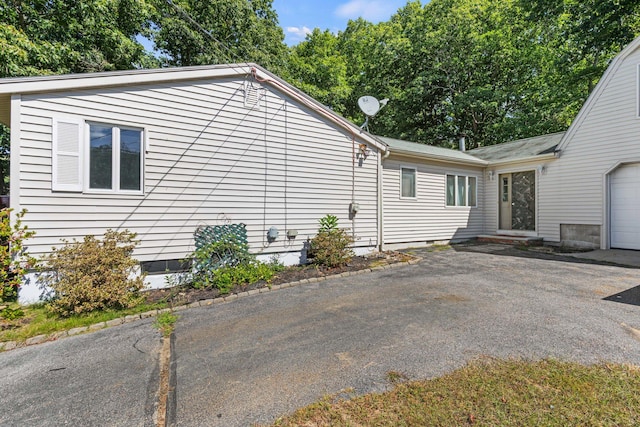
column 510, row 240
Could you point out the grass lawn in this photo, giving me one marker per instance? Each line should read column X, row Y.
column 493, row 393
column 37, row 320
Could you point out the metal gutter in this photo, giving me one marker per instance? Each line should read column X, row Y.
column 475, row 161
column 548, row 156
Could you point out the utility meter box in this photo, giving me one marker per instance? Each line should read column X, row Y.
column 272, row 234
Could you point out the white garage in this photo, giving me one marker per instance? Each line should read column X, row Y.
column 625, row 207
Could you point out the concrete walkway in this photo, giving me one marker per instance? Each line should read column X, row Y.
column 616, row 256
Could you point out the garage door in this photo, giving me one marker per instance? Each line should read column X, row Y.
column 625, row 207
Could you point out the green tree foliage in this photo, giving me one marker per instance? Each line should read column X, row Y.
column 318, row 67
column 458, row 66
column 56, row 36
column 491, row 69
column 195, row 32
column 583, row 37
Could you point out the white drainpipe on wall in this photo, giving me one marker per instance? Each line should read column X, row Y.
column 380, row 202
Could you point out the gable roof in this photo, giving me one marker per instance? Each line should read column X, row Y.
column 520, row 149
column 597, row 91
column 68, row 82
column 415, row 149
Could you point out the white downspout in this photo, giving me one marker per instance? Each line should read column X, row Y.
column 380, row 201
column 14, row 155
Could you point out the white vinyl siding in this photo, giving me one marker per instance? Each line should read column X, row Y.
column 427, row 218
column 211, row 160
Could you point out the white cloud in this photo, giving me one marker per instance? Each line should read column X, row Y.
column 299, row 32
column 373, row 11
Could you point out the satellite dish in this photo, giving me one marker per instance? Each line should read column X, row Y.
column 369, row 105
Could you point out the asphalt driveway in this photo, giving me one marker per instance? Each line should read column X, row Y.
column 105, row 378
column 256, row 358
column 259, row 357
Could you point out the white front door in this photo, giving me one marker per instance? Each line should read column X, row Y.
column 505, row 201
column 625, row 207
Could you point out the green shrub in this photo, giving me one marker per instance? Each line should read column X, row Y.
column 13, row 257
column 93, row 274
column 224, row 265
column 12, row 313
column 328, row 223
column 331, row 246
column 227, row 277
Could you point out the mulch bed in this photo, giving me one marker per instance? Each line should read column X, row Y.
column 183, row 295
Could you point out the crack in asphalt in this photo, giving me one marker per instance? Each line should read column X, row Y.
column 135, row 345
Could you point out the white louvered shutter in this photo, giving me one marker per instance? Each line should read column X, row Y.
column 67, row 155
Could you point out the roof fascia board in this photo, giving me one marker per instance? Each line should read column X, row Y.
column 28, row 85
column 444, row 159
column 602, row 83
column 540, row 157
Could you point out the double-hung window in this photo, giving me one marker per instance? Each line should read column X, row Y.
column 115, row 158
column 96, row 157
column 461, row 190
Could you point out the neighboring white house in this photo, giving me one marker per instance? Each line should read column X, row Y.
column 162, row 152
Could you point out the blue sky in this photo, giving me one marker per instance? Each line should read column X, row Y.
column 299, row 17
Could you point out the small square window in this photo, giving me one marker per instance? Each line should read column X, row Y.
column 408, row 183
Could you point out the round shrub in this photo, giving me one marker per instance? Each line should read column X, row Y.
column 93, row 274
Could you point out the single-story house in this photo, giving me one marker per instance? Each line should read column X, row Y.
column 162, row 152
